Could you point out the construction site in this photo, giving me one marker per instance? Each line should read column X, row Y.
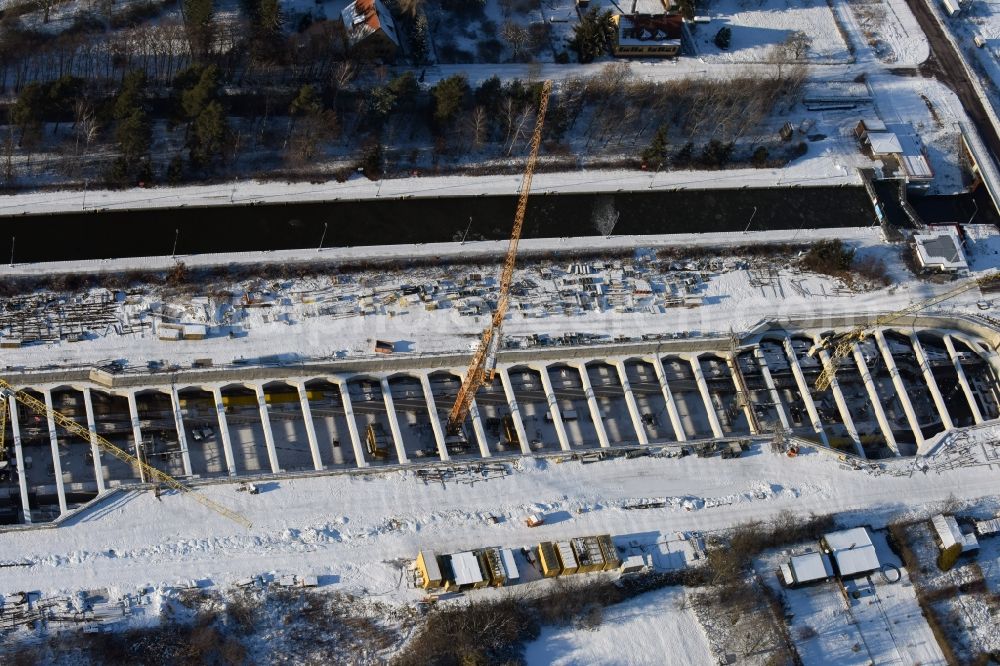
column 426, row 424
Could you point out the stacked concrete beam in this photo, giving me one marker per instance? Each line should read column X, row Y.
column 56, row 461
column 633, row 408
column 668, row 398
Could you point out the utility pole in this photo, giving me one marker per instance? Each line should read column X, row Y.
column 13, row 239
column 751, row 220
column 466, row 234
column 323, row 237
column 177, row 232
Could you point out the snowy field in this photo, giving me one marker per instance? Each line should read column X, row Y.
column 657, row 628
column 759, row 26
column 890, row 29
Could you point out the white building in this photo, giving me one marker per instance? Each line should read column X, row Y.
column 949, row 534
column 807, row 568
column 941, row 251
column 852, row 551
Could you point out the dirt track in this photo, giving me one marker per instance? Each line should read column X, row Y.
column 952, row 73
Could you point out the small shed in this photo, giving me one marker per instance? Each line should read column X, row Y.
column 807, row 568
column 430, row 570
column 466, row 571
column 384, row 347
column 883, row 144
column 852, row 551
column 866, row 125
column 168, row 333
column 194, row 331
column 988, row 527
column 509, row 565
column 949, row 534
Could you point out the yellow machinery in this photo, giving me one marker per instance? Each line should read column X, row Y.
column 843, row 344
column 150, row 472
column 482, row 368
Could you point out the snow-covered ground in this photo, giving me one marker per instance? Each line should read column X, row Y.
column 657, row 628
column 758, row 27
column 340, row 316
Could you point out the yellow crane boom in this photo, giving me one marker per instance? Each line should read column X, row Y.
column 843, row 344
column 482, row 366
column 151, row 473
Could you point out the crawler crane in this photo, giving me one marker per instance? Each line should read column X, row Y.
column 482, row 367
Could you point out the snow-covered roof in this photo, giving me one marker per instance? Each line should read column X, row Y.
column 431, row 565
column 884, row 143
column 916, row 166
column 807, row 568
column 985, row 527
column 852, row 550
column 649, row 29
column 466, row 569
column 364, row 17
column 874, row 124
column 509, row 565
column 847, row 539
column 950, row 534
column 856, row 561
column 941, row 250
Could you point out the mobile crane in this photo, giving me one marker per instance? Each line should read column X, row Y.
column 482, row 367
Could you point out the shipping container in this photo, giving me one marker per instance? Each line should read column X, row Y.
column 567, row 558
column 611, row 558
column 548, row 559
column 951, row 7
column 430, row 570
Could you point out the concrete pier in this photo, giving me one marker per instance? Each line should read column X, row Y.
column 706, row 397
column 595, row 410
column 633, row 408
column 668, row 398
column 310, row 426
column 390, row 412
column 554, row 412
column 932, row 385
column 95, row 450
column 22, row 475
column 227, row 441
column 56, row 459
column 804, row 389
column 845, row 412
column 432, row 412
column 515, row 411
column 352, row 424
column 175, row 404
column 875, row 399
column 901, row 390
column 265, row 423
column 963, row 381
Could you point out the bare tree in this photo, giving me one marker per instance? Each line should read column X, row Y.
column 516, row 36
column 477, row 127
column 798, row 44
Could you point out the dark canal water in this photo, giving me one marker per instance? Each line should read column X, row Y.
column 114, row 234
